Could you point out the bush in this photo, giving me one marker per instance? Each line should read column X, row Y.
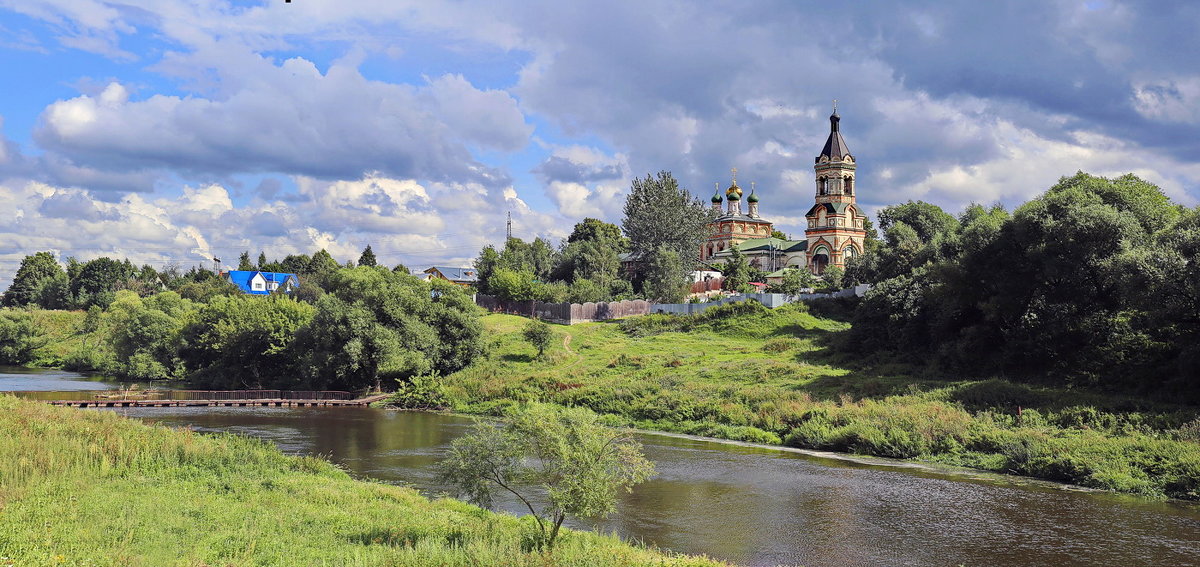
column 19, row 337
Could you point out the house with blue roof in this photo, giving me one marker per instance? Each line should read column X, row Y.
column 254, row 282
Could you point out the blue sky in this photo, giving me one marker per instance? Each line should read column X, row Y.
column 172, row 131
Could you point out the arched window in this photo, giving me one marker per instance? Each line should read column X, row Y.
column 849, row 183
column 822, row 186
column 849, row 252
column 820, row 259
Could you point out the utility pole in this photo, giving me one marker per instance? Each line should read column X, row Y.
column 509, row 231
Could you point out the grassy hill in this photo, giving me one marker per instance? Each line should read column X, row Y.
column 776, row 376
column 93, row 488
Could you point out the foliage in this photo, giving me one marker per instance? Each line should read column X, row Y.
column 96, row 281
column 242, row 342
column 580, row 464
column 1089, row 283
column 19, row 337
column 374, row 325
column 244, row 263
column 659, row 214
column 736, row 271
column 832, row 279
column 665, row 279
column 146, row 335
column 538, row 334
column 36, row 271
column 368, row 258
column 72, row 480
column 321, row 264
column 794, row 281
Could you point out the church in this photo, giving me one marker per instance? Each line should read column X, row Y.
column 834, row 233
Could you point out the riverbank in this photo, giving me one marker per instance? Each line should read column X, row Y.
column 94, row 488
column 776, row 377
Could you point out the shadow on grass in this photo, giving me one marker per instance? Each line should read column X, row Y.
column 512, row 357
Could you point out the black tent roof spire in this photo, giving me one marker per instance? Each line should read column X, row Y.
column 835, row 146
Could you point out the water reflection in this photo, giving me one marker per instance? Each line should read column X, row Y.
column 760, row 506
column 750, row 505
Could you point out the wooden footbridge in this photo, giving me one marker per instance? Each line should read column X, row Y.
column 217, row 398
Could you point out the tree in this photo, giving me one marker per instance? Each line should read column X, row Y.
column 367, row 258
column 246, row 342
column 512, row 285
column 595, row 230
column 97, row 280
column 19, row 337
column 831, row 280
column 578, row 463
column 35, row 271
column 666, row 281
column 659, row 213
column 538, row 334
column 736, row 271
column 322, row 263
column 244, row 261
column 795, row 280
column 145, row 334
column 485, row 266
column 374, row 326
column 778, row 234
column 926, row 219
column 262, row 260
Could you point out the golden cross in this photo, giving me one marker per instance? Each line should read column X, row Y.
column 734, row 170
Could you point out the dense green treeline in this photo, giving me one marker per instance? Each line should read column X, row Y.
column 362, row 327
column 661, row 231
column 1096, row 282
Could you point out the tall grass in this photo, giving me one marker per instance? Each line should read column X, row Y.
column 93, row 488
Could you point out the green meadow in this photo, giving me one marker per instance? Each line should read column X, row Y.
column 778, row 377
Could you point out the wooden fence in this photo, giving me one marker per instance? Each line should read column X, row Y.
column 565, row 313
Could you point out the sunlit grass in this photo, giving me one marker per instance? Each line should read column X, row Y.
column 94, row 488
column 777, row 376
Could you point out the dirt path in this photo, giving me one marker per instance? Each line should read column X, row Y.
column 567, row 345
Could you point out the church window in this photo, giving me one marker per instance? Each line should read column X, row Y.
column 822, row 186
column 849, row 185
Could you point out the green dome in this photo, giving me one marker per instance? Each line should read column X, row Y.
column 733, row 193
column 716, row 197
column 753, row 198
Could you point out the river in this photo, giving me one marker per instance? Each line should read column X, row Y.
column 765, row 506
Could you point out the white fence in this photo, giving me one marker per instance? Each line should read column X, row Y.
column 771, row 300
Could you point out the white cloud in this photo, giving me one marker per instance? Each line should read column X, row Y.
column 291, row 118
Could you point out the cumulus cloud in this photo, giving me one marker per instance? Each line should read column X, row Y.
column 407, row 137
column 292, row 118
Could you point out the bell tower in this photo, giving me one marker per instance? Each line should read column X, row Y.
column 835, row 225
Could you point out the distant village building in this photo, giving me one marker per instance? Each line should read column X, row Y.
column 254, row 282
column 462, row 276
column 835, row 225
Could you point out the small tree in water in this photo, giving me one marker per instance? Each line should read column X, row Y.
column 579, row 464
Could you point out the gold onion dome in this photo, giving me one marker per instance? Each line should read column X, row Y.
column 733, row 193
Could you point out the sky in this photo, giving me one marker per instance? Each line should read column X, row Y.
column 176, row 131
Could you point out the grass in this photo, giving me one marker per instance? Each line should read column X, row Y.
column 95, row 489
column 777, row 377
